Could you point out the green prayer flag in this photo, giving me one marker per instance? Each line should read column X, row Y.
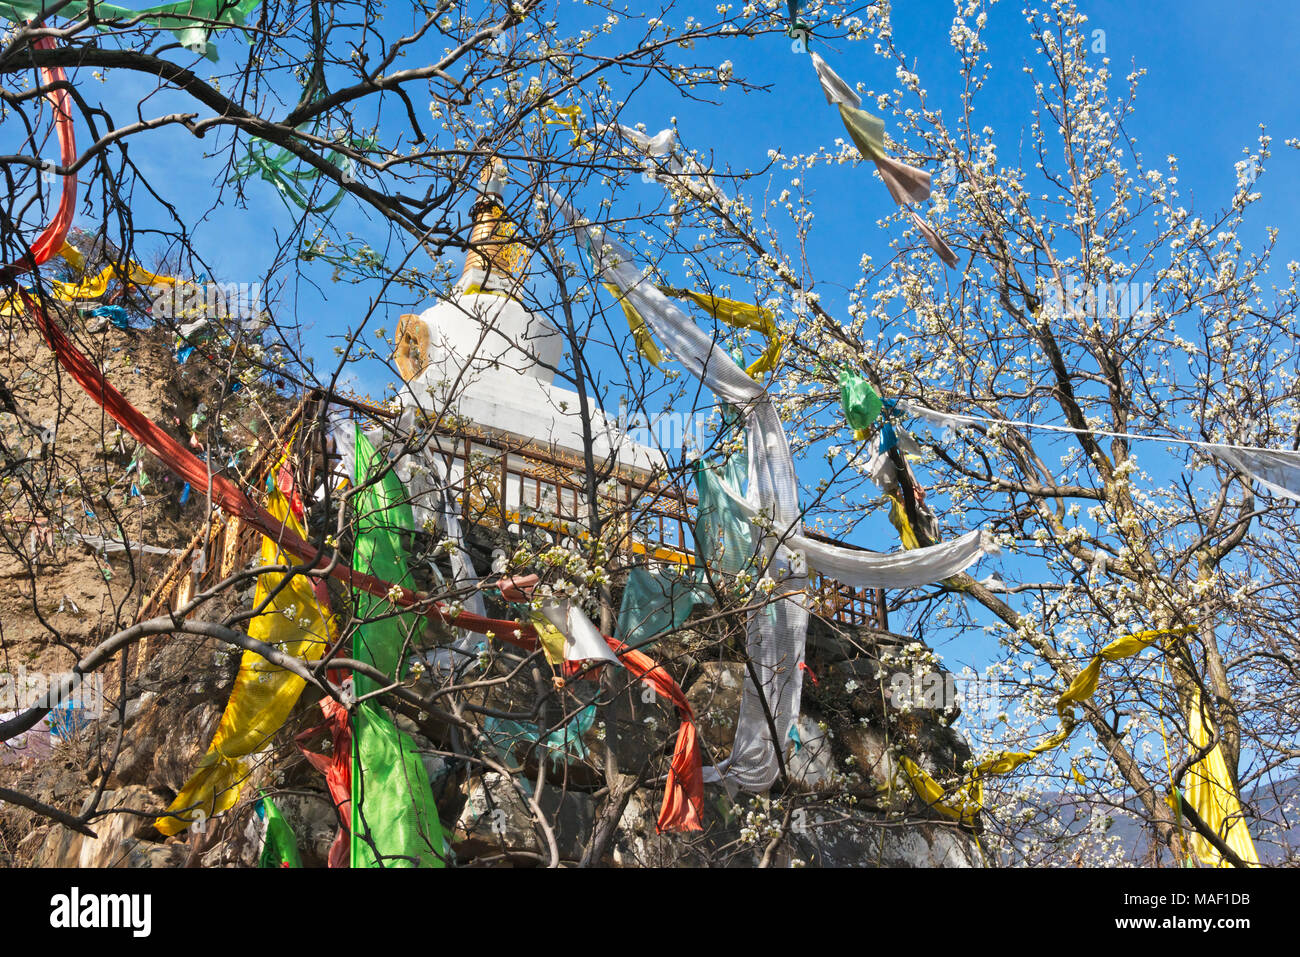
column 653, row 604
column 190, row 20
column 562, row 745
column 861, row 404
column 284, row 170
column 723, row 537
column 280, row 847
column 394, row 817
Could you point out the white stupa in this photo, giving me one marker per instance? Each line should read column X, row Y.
column 480, row 355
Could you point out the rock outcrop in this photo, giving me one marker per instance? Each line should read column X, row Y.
column 504, row 800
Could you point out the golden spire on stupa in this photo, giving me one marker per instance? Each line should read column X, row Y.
column 494, row 265
column 494, row 261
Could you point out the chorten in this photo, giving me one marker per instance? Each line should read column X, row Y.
column 481, row 355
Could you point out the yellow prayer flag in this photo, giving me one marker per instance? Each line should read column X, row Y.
column 263, row 693
column 739, row 315
column 962, row 805
column 965, row 800
column 1210, row 792
column 898, row 518
column 570, row 116
column 645, row 343
column 72, row 256
column 550, row 638
column 93, row 287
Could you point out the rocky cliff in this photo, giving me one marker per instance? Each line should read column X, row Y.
column 840, row 801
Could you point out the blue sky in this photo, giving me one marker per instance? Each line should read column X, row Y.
column 1213, row 77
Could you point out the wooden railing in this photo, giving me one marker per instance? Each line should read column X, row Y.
column 498, row 483
column 516, row 484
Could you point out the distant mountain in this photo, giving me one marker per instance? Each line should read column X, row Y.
column 1268, row 802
